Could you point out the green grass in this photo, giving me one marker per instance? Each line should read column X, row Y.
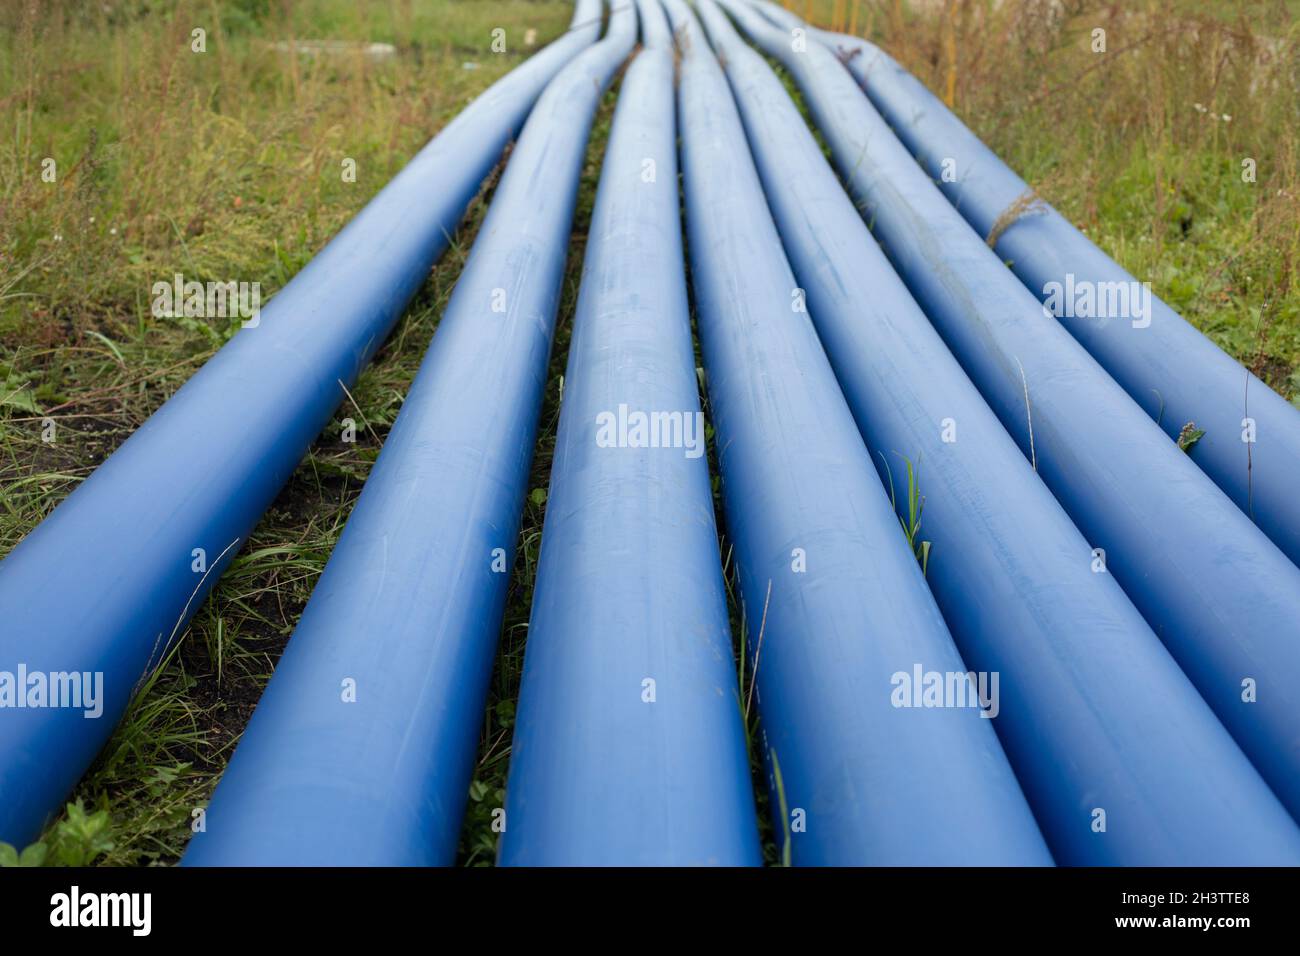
column 227, row 164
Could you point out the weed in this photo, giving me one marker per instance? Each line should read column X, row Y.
column 78, row 839
column 1189, row 436
column 911, row 518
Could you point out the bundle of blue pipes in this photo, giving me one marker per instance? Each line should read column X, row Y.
column 739, row 650
column 1095, row 714
column 1219, row 593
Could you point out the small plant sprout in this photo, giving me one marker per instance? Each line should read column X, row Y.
column 911, row 520
column 1189, row 436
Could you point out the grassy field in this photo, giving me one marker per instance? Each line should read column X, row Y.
column 226, row 164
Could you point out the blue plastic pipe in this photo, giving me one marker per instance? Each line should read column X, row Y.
column 835, row 604
column 108, row 581
column 1222, row 597
column 1095, row 714
column 1170, row 369
column 361, row 749
column 629, row 747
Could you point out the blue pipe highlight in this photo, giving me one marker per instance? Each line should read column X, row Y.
column 834, row 600
column 110, row 579
column 1166, row 365
column 1095, row 713
column 1216, row 590
column 629, row 747
column 362, row 747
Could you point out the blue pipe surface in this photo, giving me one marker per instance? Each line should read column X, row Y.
column 629, row 747
column 361, row 749
column 108, row 581
column 1222, row 597
column 1095, row 713
column 1166, row 365
column 834, row 600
